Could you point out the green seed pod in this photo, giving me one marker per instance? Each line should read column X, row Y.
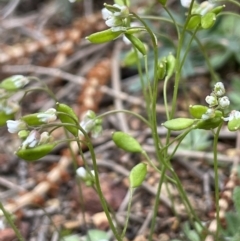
column 103, row 36
column 126, row 142
column 194, row 22
column 137, row 43
column 218, row 9
column 32, row 119
column 5, row 117
column 178, row 124
column 68, row 118
column 210, row 123
column 161, row 69
column 133, row 30
column 137, row 175
column 35, row 153
column 130, row 59
column 171, row 62
column 197, row 110
column 208, row 20
column 234, row 124
column 163, row 2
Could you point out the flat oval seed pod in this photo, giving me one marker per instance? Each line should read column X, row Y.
column 68, row 118
column 178, row 124
column 137, row 175
column 103, row 36
column 33, row 154
column 126, row 142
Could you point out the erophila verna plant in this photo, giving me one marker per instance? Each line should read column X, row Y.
column 35, row 129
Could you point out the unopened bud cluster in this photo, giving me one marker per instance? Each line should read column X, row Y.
column 216, row 101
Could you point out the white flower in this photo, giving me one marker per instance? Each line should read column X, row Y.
column 16, row 126
column 11, row 107
column 106, row 14
column 185, row 3
column 205, row 7
column 82, row 173
column 19, row 80
column 219, row 89
column 211, row 100
column 113, row 22
column 234, row 114
column 32, row 140
column 47, row 116
column 44, row 138
column 210, row 113
column 224, row 102
column 88, row 122
column 114, row 15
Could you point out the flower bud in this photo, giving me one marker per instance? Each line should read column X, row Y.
column 219, row 89
column 23, row 134
column 211, row 100
column 162, row 69
column 44, row 138
column 224, row 102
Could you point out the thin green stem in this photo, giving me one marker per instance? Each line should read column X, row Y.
column 127, row 112
column 155, row 168
column 156, row 203
column 11, row 223
column 98, row 186
column 178, row 61
column 131, row 191
column 216, row 178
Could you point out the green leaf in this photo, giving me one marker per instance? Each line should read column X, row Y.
column 137, row 175
column 126, row 142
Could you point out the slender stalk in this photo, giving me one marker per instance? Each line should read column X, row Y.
column 216, row 178
column 11, row 223
column 128, row 212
